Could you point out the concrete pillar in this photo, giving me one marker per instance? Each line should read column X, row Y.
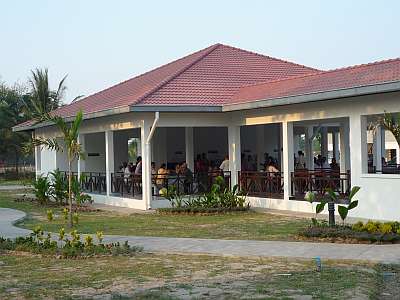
column 344, row 145
column 234, row 153
column 288, row 159
column 146, row 164
column 309, row 156
column 324, row 142
column 335, row 144
column 397, row 154
column 260, row 134
column 81, row 162
column 379, row 138
column 109, row 137
column 189, row 150
column 358, row 145
column 38, row 160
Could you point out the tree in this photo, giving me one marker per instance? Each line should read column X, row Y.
column 70, row 132
column 391, row 122
column 42, row 100
column 10, row 115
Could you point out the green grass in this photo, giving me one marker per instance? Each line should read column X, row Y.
column 156, row 276
column 15, row 181
column 247, row 225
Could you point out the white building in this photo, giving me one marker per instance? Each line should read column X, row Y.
column 223, row 100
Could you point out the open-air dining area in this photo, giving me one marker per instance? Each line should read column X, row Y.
column 190, row 159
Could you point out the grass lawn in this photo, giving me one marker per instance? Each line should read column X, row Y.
column 157, row 276
column 247, row 225
column 15, row 181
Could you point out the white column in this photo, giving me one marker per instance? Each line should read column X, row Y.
column 37, row 161
column 358, row 146
column 260, row 133
column 335, row 144
column 324, row 142
column 109, row 137
column 288, row 159
column 344, row 144
column 309, row 132
column 81, row 162
column 189, row 150
column 146, row 164
column 379, row 137
column 397, row 154
column 234, row 153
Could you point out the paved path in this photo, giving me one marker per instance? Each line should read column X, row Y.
column 7, row 219
column 376, row 253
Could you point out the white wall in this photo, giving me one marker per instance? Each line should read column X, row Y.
column 48, row 161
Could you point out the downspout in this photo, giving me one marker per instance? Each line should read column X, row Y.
column 153, row 127
column 147, row 147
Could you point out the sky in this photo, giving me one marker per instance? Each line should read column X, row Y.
column 100, row 43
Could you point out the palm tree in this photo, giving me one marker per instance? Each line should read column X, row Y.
column 73, row 148
column 42, row 100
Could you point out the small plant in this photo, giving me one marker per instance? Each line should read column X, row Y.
column 59, row 187
column 79, row 197
column 99, row 236
column 61, row 234
column 65, row 213
column 41, row 188
column 88, row 241
column 50, row 215
column 75, row 218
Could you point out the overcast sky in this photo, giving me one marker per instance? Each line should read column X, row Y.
column 100, row 43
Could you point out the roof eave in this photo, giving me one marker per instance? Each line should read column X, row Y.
column 317, row 96
column 104, row 113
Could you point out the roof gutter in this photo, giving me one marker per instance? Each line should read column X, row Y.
column 317, row 96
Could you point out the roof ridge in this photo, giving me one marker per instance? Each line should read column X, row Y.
column 270, row 57
column 324, row 72
column 143, row 74
column 207, row 50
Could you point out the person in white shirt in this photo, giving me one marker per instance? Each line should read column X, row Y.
column 224, row 167
column 138, row 169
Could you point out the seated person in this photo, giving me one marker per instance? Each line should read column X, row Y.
column 224, row 167
column 162, row 175
column 126, row 170
column 272, row 169
column 334, row 166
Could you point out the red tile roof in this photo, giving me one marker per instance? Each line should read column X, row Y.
column 207, row 77
column 222, row 75
column 356, row 76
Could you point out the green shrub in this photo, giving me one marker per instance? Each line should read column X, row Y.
column 69, row 248
column 59, row 187
column 359, row 226
column 42, row 189
column 385, row 228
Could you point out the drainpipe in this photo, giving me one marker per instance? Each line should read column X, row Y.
column 153, row 127
column 148, row 160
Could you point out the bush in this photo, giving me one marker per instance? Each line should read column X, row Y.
column 66, row 248
column 369, row 232
column 41, row 189
column 59, row 187
column 219, row 199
